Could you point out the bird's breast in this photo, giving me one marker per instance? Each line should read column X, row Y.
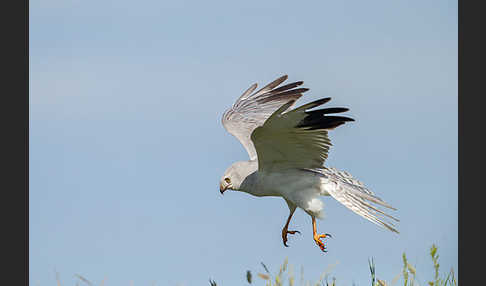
column 284, row 182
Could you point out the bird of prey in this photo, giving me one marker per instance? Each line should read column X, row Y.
column 287, row 149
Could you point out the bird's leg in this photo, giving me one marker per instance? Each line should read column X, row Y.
column 286, row 230
column 317, row 237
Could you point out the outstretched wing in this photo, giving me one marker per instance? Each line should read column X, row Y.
column 297, row 138
column 252, row 109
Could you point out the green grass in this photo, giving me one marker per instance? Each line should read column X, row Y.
column 285, row 275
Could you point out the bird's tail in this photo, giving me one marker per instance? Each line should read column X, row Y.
column 355, row 196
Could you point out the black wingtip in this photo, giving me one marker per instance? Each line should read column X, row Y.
column 319, row 120
column 320, row 101
column 287, row 87
column 324, row 111
column 313, row 104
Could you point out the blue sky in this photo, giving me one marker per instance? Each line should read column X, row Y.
column 127, row 147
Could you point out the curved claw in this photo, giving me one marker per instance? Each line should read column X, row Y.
column 323, row 248
column 320, row 243
column 284, row 236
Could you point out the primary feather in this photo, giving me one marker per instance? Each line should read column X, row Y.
column 252, row 109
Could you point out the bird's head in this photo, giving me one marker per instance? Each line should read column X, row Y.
column 235, row 175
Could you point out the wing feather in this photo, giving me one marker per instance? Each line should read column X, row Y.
column 253, row 108
column 297, row 138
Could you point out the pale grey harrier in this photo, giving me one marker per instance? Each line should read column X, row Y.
column 287, row 149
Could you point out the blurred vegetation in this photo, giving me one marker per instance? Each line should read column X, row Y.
column 285, row 275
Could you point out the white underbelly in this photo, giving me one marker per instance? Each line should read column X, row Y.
column 292, row 180
column 302, row 188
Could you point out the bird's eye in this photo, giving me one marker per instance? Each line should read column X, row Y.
column 227, row 180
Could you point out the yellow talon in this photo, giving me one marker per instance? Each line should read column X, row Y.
column 318, row 237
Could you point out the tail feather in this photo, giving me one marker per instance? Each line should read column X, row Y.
column 356, row 197
column 360, row 207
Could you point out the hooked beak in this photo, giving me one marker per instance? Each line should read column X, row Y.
column 222, row 188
